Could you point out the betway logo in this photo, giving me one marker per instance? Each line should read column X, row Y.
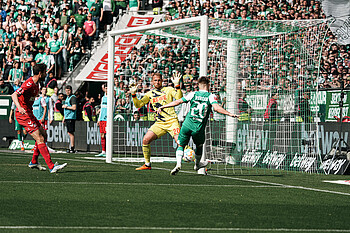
column 333, row 166
column 134, row 135
column 328, row 138
column 251, row 157
column 274, row 159
column 303, row 162
column 57, row 133
column 251, row 139
column 93, row 136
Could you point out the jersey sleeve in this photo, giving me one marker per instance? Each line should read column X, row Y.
column 144, row 100
column 177, row 94
column 25, row 86
column 188, row 97
column 213, row 99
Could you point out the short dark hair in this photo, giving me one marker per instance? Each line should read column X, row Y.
column 69, row 87
column 203, row 80
column 39, row 68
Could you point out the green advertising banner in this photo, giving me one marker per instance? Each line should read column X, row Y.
column 324, row 104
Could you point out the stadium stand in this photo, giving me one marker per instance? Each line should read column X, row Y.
column 62, row 29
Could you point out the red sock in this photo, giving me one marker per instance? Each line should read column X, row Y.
column 45, row 153
column 103, row 144
column 36, row 153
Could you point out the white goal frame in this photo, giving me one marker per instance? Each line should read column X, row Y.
column 203, row 20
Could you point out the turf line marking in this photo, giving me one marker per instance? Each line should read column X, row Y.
column 224, row 177
column 176, row 228
column 138, row 184
column 248, row 180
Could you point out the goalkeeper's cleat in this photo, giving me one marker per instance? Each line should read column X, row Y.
column 57, row 167
column 143, row 167
column 200, row 165
column 175, row 171
column 36, row 166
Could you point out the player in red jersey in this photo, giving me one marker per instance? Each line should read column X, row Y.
column 24, row 98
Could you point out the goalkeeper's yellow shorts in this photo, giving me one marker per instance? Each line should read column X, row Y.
column 171, row 126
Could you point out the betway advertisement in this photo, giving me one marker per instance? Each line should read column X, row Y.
column 291, row 146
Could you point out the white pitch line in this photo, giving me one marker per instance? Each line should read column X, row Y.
column 176, row 228
column 138, row 184
column 230, row 178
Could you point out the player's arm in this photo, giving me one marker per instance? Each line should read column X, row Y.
column 172, row 104
column 219, row 109
column 15, row 100
column 138, row 103
column 10, row 117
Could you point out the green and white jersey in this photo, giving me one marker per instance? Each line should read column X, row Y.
column 201, row 103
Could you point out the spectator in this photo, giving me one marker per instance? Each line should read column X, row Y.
column 134, row 6
column 15, row 73
column 75, row 53
column 51, row 84
column 4, row 89
column 65, row 37
column 106, row 13
column 96, row 13
column 136, row 116
column 56, row 47
column 89, row 112
column 157, row 6
column 16, row 84
column 58, row 110
column 90, row 29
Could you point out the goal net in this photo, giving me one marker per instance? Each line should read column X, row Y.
column 266, row 72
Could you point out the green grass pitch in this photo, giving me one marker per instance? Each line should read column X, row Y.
column 92, row 196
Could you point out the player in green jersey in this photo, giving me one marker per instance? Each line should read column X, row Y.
column 194, row 125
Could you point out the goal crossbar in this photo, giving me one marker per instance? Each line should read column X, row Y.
column 203, row 20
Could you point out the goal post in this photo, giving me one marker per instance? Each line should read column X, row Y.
column 203, row 20
column 248, row 62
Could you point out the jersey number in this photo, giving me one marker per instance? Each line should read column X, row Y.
column 199, row 110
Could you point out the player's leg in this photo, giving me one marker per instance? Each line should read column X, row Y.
column 199, row 139
column 149, row 137
column 70, row 130
column 40, row 137
column 18, row 129
column 181, row 138
column 103, row 139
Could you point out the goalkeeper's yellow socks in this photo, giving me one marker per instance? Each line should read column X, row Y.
column 147, row 154
column 179, row 155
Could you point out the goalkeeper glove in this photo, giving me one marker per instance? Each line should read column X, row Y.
column 176, row 78
column 133, row 89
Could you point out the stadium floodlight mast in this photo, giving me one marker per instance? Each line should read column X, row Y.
column 203, row 20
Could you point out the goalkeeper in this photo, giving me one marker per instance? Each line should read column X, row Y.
column 166, row 121
column 194, row 125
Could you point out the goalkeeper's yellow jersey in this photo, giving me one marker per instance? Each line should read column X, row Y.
column 159, row 98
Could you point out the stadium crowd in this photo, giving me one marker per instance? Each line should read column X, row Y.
column 58, row 33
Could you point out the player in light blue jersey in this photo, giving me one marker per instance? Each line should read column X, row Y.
column 102, row 121
column 196, row 120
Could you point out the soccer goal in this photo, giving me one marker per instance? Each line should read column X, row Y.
column 267, row 72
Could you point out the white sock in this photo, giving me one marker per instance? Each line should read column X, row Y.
column 179, row 155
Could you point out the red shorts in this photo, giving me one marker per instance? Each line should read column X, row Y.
column 103, row 125
column 28, row 121
column 44, row 125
